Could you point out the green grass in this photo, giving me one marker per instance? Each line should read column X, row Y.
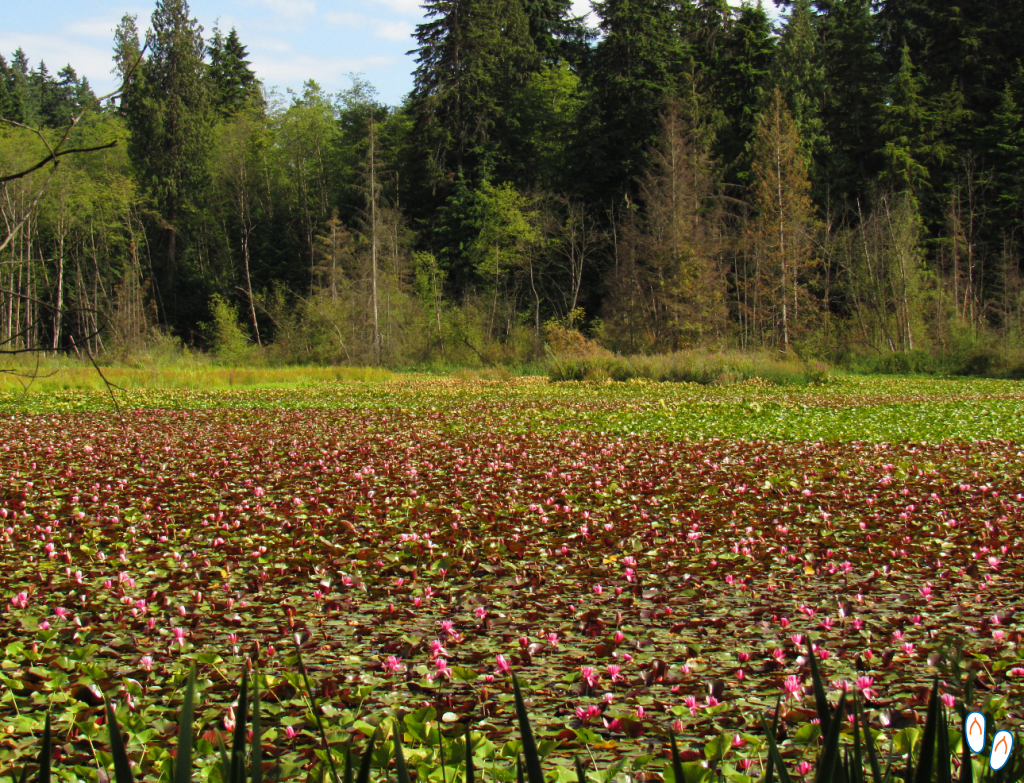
column 848, row 408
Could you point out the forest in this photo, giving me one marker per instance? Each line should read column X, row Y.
column 844, row 183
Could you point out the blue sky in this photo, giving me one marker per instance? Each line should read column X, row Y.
column 289, row 41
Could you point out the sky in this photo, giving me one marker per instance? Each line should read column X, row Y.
column 289, row 41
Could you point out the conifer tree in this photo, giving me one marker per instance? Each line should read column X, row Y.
column 907, row 128
column 780, row 237
column 471, row 55
column 635, row 75
column 853, row 81
column 746, row 67
column 167, row 112
column 234, row 86
column 802, row 80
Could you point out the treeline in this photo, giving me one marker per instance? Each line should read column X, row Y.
column 847, row 183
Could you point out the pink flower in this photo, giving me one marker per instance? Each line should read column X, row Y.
column 743, row 657
column 793, row 686
column 588, row 676
column 290, row 732
column 640, row 711
column 393, row 665
column 441, row 669
column 712, row 701
column 615, row 672
column 865, row 686
column 949, row 700
column 553, row 639
column 503, row 665
column 619, row 637
column 437, row 648
column 146, row 662
column 481, row 613
column 804, row 767
column 598, row 589
column 179, row 636
column 908, row 648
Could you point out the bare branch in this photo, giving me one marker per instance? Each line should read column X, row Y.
column 52, row 157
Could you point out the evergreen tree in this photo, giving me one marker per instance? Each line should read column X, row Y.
column 778, row 301
column 23, row 105
column 556, row 33
column 908, row 130
column 6, row 79
column 234, row 86
column 801, row 78
column 471, row 56
column 126, row 53
column 854, row 78
column 635, row 74
column 167, row 112
column 746, row 66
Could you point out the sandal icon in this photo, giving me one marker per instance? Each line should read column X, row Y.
column 1002, row 743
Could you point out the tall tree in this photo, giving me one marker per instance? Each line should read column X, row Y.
column 854, row 78
column 167, row 112
column 471, row 55
column 670, row 293
column 801, row 78
column 780, row 236
column 234, row 87
column 635, row 73
column 746, row 67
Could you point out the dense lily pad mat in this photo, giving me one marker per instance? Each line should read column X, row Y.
column 412, row 534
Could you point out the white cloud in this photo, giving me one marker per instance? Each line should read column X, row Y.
column 295, row 70
column 294, row 11
column 406, row 7
column 395, row 31
column 382, row 28
column 581, row 7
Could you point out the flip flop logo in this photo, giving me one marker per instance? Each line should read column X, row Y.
column 974, row 731
column 1002, row 743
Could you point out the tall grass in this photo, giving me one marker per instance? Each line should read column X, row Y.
column 703, row 367
column 59, row 374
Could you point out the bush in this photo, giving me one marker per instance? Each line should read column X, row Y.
column 228, row 339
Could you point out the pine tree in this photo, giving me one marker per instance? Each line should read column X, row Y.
column 234, row 86
column 801, row 78
column 167, row 112
column 778, row 302
column 678, row 292
column 635, row 74
column 747, row 63
column 854, row 78
column 908, row 130
column 471, row 55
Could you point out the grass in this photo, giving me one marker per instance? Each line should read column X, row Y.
column 703, row 367
column 55, row 375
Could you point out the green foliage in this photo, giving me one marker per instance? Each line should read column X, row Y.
column 227, row 337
